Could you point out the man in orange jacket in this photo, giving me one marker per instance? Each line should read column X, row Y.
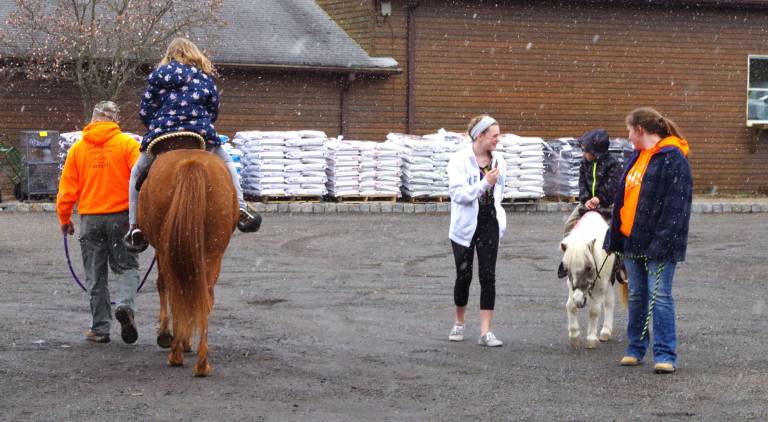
column 95, row 176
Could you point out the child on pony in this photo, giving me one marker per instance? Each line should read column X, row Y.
column 599, row 176
column 181, row 95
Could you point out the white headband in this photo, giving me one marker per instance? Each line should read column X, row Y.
column 481, row 126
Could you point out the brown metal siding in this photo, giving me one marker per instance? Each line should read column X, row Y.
column 553, row 69
column 354, row 16
column 252, row 100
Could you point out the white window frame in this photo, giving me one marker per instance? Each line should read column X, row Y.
column 755, row 94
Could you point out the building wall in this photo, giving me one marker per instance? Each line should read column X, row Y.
column 549, row 69
column 353, row 16
column 555, row 69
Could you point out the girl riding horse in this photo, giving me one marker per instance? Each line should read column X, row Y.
column 181, row 96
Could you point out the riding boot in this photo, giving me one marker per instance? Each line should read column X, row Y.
column 134, row 240
column 249, row 221
column 619, row 272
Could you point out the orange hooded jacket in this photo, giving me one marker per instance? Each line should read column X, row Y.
column 96, row 172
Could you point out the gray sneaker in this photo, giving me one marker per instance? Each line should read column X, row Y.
column 489, row 340
column 457, row 333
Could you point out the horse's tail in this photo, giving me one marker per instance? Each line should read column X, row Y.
column 184, row 234
column 624, row 294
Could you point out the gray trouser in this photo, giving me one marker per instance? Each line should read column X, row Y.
column 573, row 219
column 143, row 162
column 101, row 241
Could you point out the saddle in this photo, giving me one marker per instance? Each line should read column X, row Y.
column 605, row 212
column 169, row 142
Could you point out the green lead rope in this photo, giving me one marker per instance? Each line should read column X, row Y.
column 594, row 177
column 657, row 275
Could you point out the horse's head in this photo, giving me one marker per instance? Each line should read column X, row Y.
column 579, row 263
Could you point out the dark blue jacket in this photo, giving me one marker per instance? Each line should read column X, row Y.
column 179, row 97
column 660, row 230
column 608, row 172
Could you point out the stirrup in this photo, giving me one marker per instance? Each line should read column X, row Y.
column 249, row 220
column 134, row 241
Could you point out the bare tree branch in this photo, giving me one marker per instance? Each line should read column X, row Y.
column 99, row 45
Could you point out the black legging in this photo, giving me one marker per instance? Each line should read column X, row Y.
column 486, row 240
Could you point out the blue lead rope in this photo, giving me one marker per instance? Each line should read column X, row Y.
column 77, row 280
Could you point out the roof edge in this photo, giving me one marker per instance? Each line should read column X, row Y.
column 307, row 68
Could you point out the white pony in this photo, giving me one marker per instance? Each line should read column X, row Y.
column 589, row 273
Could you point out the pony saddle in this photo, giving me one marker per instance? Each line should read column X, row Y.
column 169, row 142
column 603, row 211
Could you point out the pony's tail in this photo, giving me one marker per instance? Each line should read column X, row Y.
column 624, row 294
column 184, row 233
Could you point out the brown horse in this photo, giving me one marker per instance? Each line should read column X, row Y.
column 187, row 210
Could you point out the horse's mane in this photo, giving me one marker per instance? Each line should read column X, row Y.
column 579, row 245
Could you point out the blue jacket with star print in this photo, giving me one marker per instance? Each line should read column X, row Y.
column 179, row 97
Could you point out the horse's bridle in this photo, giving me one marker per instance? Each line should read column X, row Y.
column 597, row 274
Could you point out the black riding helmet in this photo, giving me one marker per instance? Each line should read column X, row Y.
column 596, row 142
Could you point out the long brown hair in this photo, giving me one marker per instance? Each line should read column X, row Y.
column 653, row 122
column 186, row 52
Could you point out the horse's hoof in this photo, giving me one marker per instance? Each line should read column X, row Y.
column 605, row 337
column 175, row 363
column 591, row 344
column 575, row 342
column 164, row 340
column 202, row 372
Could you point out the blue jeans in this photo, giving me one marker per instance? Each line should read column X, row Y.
column 641, row 285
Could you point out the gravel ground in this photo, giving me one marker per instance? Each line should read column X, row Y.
column 346, row 317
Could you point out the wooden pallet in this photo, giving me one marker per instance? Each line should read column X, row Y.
column 275, row 199
column 425, row 199
column 568, row 199
column 371, row 198
column 520, row 200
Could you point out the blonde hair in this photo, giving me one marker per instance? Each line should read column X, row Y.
column 186, row 52
column 653, row 122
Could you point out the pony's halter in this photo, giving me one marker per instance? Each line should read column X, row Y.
column 597, row 274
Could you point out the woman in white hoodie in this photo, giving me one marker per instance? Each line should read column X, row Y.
column 476, row 184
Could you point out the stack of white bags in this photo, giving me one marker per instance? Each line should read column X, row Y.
column 525, row 166
column 282, row 163
column 343, row 168
column 67, row 139
column 425, row 161
column 362, row 168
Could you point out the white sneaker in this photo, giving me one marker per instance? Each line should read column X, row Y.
column 457, row 333
column 489, row 340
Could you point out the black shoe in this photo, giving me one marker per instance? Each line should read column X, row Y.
column 561, row 272
column 249, row 220
column 128, row 332
column 134, row 241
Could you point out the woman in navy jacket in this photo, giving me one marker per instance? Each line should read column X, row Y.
column 649, row 227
